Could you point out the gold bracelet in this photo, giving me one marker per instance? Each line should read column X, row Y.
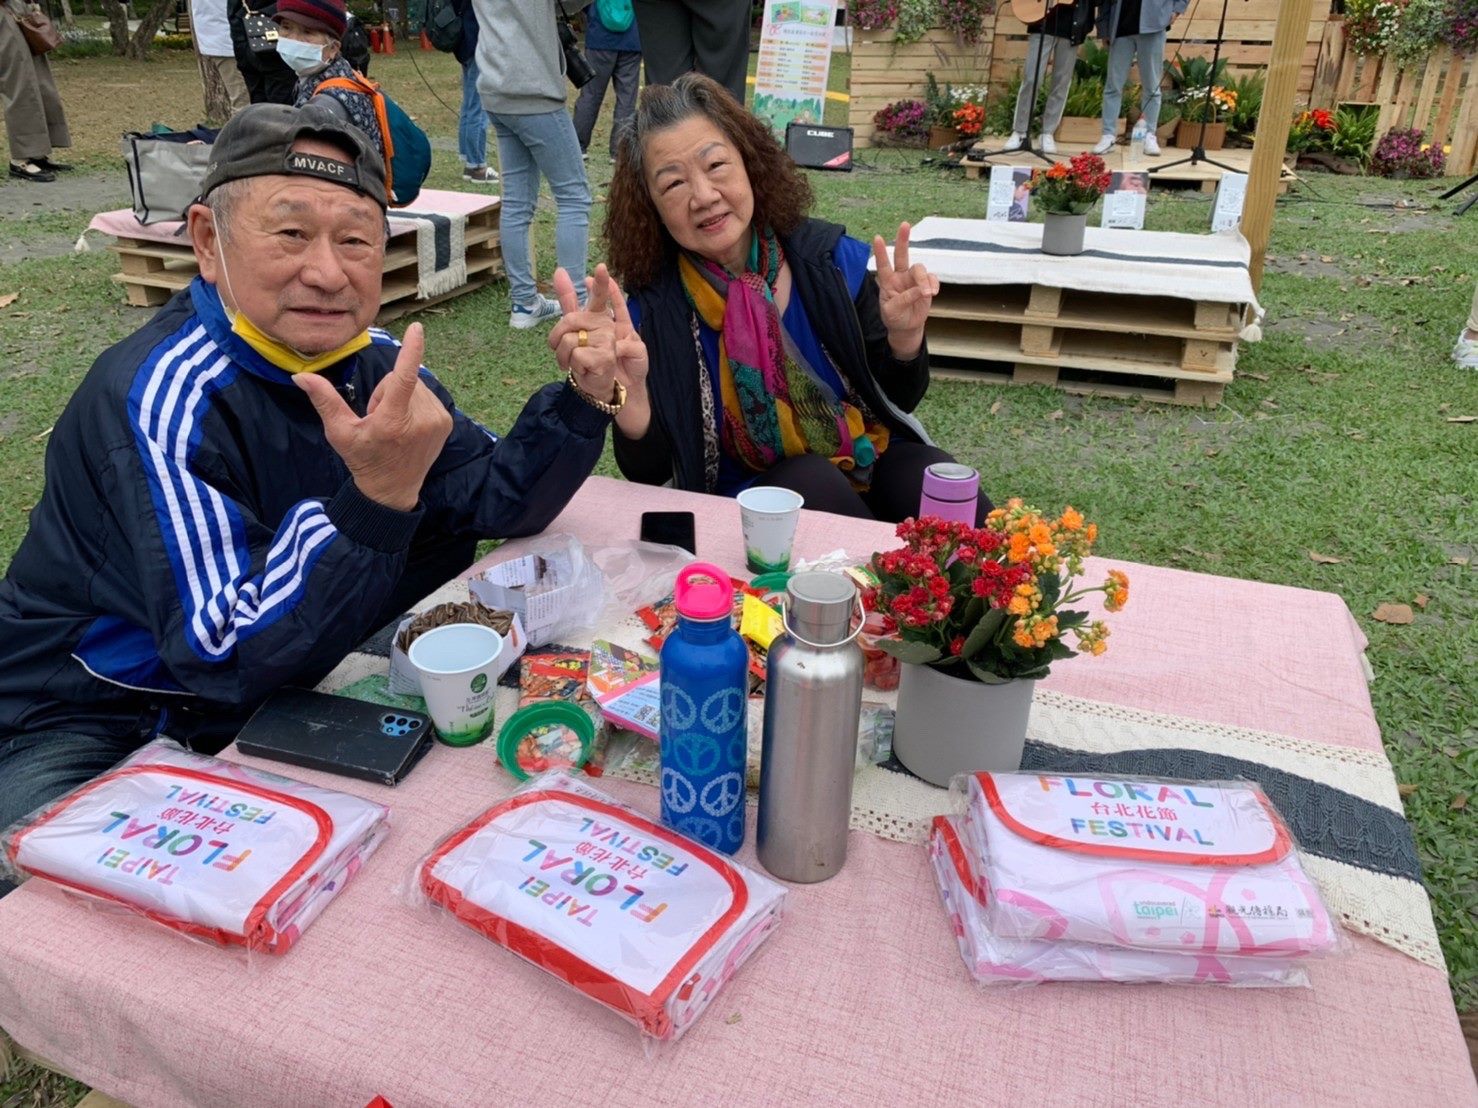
column 609, row 408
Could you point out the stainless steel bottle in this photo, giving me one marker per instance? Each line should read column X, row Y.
column 813, row 696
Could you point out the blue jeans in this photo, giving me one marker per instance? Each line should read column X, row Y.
column 1150, row 50
column 39, row 767
column 472, row 126
column 529, row 145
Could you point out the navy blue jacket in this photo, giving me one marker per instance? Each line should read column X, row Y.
column 199, row 543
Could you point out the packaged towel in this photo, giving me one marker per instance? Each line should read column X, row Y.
column 634, row 915
column 1160, row 865
column 996, row 961
column 207, row 847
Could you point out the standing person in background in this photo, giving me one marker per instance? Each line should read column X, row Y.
column 1135, row 29
column 472, row 124
column 614, row 48
column 211, row 29
column 268, row 78
column 1055, row 38
column 710, row 36
column 521, row 77
column 34, row 119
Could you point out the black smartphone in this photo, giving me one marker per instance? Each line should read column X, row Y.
column 670, row 528
column 337, row 734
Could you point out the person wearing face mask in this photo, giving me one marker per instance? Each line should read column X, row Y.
column 757, row 348
column 257, row 479
column 309, row 41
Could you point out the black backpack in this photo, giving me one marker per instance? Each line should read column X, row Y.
column 443, row 25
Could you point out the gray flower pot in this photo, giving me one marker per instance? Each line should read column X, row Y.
column 948, row 725
column 1063, row 234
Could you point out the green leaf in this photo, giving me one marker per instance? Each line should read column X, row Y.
column 1051, row 586
column 985, row 676
column 914, row 653
column 983, row 632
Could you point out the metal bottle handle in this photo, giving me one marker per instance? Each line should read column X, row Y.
column 861, row 621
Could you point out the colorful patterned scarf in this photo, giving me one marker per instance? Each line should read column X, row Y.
column 775, row 404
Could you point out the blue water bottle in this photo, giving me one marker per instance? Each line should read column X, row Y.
column 704, row 738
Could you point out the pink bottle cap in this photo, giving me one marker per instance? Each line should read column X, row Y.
column 703, row 591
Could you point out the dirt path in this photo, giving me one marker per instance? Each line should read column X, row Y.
column 31, row 210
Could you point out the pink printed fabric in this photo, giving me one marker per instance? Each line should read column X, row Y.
column 993, row 960
column 1051, row 888
column 203, row 846
column 857, row 998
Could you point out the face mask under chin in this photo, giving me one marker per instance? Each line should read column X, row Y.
column 286, row 358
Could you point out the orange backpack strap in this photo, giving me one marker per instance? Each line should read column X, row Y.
column 362, row 85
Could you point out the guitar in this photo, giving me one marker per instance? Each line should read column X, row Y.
column 1029, row 11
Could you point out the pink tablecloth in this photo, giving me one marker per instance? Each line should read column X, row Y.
column 860, row 997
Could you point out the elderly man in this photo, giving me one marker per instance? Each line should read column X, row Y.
column 253, row 482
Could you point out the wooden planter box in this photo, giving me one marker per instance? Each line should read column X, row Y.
column 884, row 71
column 1085, row 128
column 1187, row 132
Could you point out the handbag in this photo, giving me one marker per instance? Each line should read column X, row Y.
column 165, row 172
column 261, row 32
column 38, row 30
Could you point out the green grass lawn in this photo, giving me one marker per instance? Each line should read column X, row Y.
column 1343, row 434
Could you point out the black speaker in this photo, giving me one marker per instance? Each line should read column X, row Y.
column 820, row 147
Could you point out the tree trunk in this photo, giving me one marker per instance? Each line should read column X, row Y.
column 117, row 25
column 136, row 45
column 217, row 99
column 68, row 18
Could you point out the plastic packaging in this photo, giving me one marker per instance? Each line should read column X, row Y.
column 992, row 960
column 705, row 711
column 216, row 850
column 1136, row 138
column 641, row 919
column 1190, row 867
column 555, row 589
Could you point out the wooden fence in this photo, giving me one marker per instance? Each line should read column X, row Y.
column 884, row 71
column 1439, row 95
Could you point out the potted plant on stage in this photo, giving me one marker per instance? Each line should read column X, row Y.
column 980, row 614
column 1065, row 193
column 1204, row 108
column 940, row 103
column 903, row 121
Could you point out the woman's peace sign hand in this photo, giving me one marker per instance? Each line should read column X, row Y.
column 904, row 295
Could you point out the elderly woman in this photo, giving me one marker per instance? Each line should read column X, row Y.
column 310, row 40
column 756, row 348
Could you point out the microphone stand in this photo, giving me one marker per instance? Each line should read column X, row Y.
column 1456, row 189
column 1198, row 153
column 1027, row 146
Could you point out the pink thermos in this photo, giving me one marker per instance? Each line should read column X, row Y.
column 951, row 491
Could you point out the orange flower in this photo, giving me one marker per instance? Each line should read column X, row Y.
column 1071, row 520
column 1041, row 534
column 1092, row 532
column 1116, row 590
column 1020, row 549
column 1058, row 171
column 1022, row 637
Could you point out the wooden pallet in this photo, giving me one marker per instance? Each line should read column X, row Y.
column 152, row 272
column 1182, row 351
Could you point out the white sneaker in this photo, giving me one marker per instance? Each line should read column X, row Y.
column 1014, row 142
column 542, row 310
column 1104, row 145
column 1049, row 145
column 1465, row 351
column 1151, row 145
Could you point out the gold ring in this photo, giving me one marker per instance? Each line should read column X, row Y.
column 584, row 337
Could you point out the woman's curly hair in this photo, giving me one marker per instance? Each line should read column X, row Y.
column 638, row 245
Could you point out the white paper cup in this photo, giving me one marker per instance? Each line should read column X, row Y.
column 768, row 516
column 457, row 665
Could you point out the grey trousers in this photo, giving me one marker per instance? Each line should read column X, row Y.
column 619, row 67
column 1473, row 313
column 711, row 36
column 1040, row 49
column 34, row 118
column 1149, row 49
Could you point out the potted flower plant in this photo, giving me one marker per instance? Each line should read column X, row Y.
column 979, row 614
column 904, row 121
column 1203, row 117
column 1065, row 193
column 940, row 103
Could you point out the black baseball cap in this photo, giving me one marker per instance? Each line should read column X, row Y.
column 258, row 142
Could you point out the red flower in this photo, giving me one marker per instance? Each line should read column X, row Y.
column 956, row 645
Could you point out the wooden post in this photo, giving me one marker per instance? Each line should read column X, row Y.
column 1273, row 120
